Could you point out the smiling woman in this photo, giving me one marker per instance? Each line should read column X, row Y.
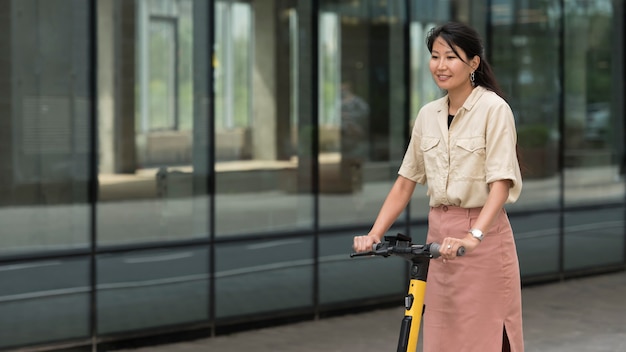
column 472, row 171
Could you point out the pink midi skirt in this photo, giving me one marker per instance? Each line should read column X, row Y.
column 469, row 301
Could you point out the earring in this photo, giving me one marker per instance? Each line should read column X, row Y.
column 472, row 79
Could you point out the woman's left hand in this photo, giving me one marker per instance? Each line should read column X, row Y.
column 450, row 246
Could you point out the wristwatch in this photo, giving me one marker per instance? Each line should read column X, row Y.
column 476, row 233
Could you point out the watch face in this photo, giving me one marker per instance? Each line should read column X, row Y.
column 477, row 234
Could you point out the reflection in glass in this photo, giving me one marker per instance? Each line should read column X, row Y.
column 152, row 121
column 525, row 41
column 594, row 160
column 233, row 70
column 44, row 139
column 362, row 114
column 262, row 142
column 593, row 151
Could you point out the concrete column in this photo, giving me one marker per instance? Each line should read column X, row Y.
column 125, row 67
column 116, row 86
column 264, row 97
column 106, row 86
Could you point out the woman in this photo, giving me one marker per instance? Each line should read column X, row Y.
column 463, row 146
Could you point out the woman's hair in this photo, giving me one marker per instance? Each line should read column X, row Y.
column 465, row 37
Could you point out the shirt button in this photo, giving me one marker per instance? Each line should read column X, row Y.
column 445, row 208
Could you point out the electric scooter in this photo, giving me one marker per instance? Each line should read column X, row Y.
column 419, row 255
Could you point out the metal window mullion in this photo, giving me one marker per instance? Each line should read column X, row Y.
column 93, row 172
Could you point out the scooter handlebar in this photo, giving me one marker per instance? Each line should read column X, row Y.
column 436, row 253
column 431, row 249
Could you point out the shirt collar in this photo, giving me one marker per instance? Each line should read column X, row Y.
column 473, row 97
column 471, row 100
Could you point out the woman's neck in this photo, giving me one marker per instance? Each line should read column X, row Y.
column 456, row 98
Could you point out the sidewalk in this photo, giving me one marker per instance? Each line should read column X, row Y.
column 578, row 315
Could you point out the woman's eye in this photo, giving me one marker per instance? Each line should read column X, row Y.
column 451, row 57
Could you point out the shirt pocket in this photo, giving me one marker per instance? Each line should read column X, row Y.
column 430, row 154
column 472, row 145
column 428, row 143
column 468, row 158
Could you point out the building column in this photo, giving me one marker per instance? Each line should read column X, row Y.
column 264, row 110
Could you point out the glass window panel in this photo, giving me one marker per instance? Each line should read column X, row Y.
column 594, row 238
column 46, row 301
column 594, row 97
column 525, row 47
column 594, row 133
column 262, row 138
column 537, row 241
column 361, row 107
column 256, row 277
column 344, row 279
column 44, row 137
column 152, row 121
column 148, row 289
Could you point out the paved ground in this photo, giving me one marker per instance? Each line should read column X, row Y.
column 578, row 315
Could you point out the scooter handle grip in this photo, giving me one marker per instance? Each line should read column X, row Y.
column 436, row 253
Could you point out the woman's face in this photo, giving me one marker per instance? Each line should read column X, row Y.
column 449, row 71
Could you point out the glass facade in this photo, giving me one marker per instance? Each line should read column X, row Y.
column 179, row 165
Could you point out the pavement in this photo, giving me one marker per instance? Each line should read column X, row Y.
column 576, row 315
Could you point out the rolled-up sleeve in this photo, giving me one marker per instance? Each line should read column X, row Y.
column 413, row 163
column 501, row 161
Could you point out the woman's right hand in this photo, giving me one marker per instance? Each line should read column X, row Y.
column 364, row 243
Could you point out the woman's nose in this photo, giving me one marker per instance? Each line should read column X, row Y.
column 441, row 64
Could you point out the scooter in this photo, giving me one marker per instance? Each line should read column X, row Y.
column 419, row 255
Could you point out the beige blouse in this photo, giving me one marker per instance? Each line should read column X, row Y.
column 458, row 163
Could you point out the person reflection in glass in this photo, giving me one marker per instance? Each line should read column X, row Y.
column 354, row 125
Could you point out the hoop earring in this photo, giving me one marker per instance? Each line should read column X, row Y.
column 472, row 79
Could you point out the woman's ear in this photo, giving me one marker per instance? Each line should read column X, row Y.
column 475, row 62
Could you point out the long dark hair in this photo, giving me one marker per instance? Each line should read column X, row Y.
column 465, row 37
